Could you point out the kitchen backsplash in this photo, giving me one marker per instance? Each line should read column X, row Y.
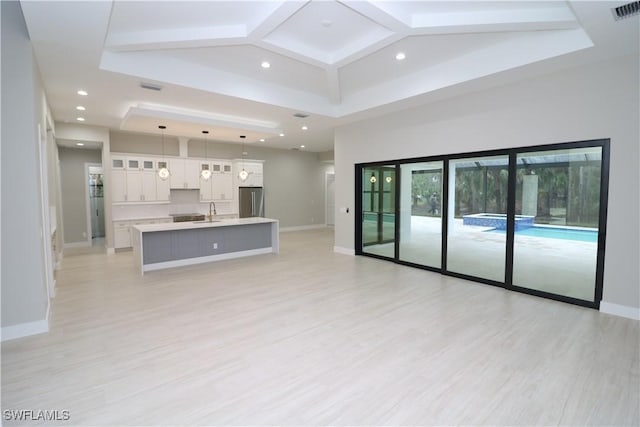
column 182, row 201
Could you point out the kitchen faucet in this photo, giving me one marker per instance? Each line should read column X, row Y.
column 214, row 211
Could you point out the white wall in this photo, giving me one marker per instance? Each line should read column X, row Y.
column 598, row 101
column 25, row 299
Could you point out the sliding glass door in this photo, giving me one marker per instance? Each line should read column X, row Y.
column 556, row 248
column 477, row 222
column 421, row 213
column 529, row 219
column 379, row 210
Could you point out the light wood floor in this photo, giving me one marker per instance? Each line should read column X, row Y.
column 311, row 337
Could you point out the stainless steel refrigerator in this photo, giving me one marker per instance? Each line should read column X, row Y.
column 251, row 202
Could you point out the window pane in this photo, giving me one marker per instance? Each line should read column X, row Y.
column 476, row 243
column 421, row 213
column 378, row 210
column 558, row 193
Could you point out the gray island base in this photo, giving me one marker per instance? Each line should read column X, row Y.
column 159, row 246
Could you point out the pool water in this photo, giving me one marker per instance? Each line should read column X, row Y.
column 557, row 233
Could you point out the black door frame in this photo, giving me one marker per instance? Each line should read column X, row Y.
column 512, row 153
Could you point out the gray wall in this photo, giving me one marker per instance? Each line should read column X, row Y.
column 74, row 198
column 293, row 180
column 123, row 142
column 24, row 293
column 576, row 104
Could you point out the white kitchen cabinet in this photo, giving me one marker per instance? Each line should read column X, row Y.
column 205, row 189
column 133, row 164
column 222, row 187
column 185, row 173
column 118, row 162
column 163, row 187
column 192, row 173
column 148, row 165
column 122, row 230
column 221, row 166
column 254, row 170
column 176, row 168
column 118, row 185
column 149, row 187
column 135, row 180
column 141, row 186
column 134, row 186
column 121, row 234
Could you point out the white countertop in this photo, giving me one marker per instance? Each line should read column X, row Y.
column 146, row 228
column 145, row 218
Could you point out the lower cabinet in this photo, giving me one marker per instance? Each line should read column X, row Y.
column 122, row 230
column 121, row 234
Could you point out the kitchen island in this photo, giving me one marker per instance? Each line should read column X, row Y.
column 159, row 246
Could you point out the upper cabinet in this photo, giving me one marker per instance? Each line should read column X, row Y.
column 219, row 186
column 185, row 173
column 135, row 180
column 254, row 174
column 118, row 163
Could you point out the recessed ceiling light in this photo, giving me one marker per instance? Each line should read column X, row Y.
column 80, row 119
column 304, row 128
column 265, row 64
column 326, row 23
column 400, row 56
column 302, row 146
column 261, row 139
column 80, row 108
column 82, row 93
column 282, row 134
column 80, row 144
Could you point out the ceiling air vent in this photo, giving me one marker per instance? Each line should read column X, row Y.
column 626, row 10
column 150, row 86
column 301, row 115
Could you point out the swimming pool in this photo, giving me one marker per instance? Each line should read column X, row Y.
column 563, row 233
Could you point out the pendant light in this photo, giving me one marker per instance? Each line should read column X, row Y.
column 243, row 175
column 163, row 172
column 205, row 173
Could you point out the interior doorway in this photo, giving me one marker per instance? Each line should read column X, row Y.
column 95, row 204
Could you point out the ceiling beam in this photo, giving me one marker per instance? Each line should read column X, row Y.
column 190, row 37
column 497, row 20
column 277, row 18
column 333, row 80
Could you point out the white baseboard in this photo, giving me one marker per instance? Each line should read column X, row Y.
column 77, row 245
column 620, row 310
column 26, row 329
column 344, row 251
column 302, row 228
